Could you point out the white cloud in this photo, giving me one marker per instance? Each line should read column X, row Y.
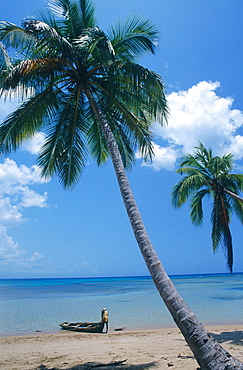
column 12, row 254
column 9, row 251
column 35, row 256
column 11, row 174
column 198, row 114
column 236, row 146
column 164, row 157
column 32, row 199
column 9, row 213
column 33, row 146
column 17, row 194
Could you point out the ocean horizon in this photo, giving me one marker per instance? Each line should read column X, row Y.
column 40, row 304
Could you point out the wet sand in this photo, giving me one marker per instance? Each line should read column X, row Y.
column 141, row 349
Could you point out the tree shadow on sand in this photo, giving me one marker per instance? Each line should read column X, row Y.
column 111, row 366
column 233, row 337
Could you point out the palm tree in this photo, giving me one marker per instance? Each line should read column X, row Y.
column 84, row 89
column 206, row 175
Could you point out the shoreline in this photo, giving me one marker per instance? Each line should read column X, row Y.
column 159, row 348
column 29, row 332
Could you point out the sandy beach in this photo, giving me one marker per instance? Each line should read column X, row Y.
column 141, row 349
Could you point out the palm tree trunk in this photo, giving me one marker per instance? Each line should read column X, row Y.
column 208, row 353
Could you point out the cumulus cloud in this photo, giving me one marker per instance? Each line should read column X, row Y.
column 32, row 199
column 12, row 254
column 164, row 157
column 9, row 213
column 33, row 145
column 16, row 194
column 35, row 256
column 11, row 174
column 9, row 251
column 198, row 114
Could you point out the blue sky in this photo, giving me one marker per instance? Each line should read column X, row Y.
column 48, row 232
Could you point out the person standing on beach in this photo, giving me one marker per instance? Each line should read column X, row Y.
column 104, row 318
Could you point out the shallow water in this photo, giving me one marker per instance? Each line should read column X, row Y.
column 133, row 302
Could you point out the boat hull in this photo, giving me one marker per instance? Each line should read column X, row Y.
column 85, row 327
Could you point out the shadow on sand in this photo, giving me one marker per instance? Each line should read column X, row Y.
column 111, row 366
column 233, row 337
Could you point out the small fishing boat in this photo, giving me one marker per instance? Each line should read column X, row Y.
column 88, row 327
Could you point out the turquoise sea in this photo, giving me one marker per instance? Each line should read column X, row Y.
column 28, row 305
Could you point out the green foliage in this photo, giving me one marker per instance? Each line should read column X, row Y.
column 206, row 175
column 67, row 68
column 132, row 37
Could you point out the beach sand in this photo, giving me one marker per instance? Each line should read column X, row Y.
column 142, row 349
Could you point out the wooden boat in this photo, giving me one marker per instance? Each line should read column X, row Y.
column 88, row 327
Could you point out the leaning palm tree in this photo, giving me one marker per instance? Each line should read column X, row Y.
column 84, row 89
column 205, row 176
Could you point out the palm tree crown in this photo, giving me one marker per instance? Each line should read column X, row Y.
column 69, row 66
column 206, row 175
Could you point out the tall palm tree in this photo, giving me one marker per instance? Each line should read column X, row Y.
column 206, row 175
column 84, row 89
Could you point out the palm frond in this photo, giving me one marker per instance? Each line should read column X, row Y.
column 64, row 151
column 94, row 45
column 237, row 206
column 129, row 136
column 59, row 8
column 15, row 37
column 34, row 69
column 136, row 97
column 196, row 206
column 97, row 144
column 220, row 166
column 143, row 91
column 191, row 161
column 76, row 15
column 203, row 155
column 220, row 219
column 189, row 185
column 139, row 130
column 5, row 60
column 88, row 18
column 232, row 182
column 133, row 37
column 49, row 41
column 27, row 119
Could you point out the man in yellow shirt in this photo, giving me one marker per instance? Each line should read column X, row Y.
column 104, row 318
